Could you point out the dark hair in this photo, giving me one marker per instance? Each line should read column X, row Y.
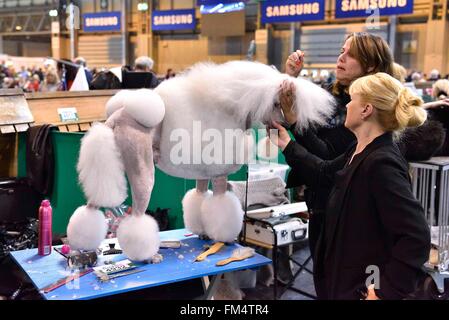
column 373, row 54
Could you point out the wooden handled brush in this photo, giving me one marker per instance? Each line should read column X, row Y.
column 238, row 255
column 213, row 249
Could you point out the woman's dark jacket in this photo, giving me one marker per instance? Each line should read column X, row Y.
column 371, row 219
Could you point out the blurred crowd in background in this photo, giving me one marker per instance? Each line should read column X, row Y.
column 59, row 75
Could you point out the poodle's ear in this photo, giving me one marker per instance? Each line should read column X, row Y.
column 313, row 104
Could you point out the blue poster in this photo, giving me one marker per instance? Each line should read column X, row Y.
column 173, row 20
column 102, row 21
column 292, row 10
column 363, row 8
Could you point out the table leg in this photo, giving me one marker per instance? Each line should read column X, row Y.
column 209, row 286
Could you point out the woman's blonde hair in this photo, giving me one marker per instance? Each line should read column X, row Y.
column 440, row 87
column 51, row 77
column 399, row 72
column 397, row 107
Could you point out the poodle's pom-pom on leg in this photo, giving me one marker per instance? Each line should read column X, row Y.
column 87, row 228
column 222, row 217
column 191, row 207
column 138, row 236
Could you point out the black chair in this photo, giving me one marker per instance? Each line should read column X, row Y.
column 138, row 80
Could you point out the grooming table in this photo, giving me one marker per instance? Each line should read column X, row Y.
column 177, row 265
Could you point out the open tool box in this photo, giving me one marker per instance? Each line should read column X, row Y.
column 275, row 227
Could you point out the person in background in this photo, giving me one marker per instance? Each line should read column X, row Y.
column 170, row 74
column 23, row 76
column 51, row 82
column 372, row 218
column 9, row 83
column 82, row 62
column 32, row 84
column 145, row 64
column 417, row 77
column 39, row 72
column 438, row 110
column 434, row 75
column 67, row 73
column 399, row 72
column 331, row 79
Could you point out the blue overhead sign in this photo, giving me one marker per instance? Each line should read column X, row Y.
column 363, row 8
column 292, row 10
column 212, row 2
column 102, row 21
column 173, row 19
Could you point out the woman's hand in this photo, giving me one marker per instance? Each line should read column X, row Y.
column 281, row 138
column 287, row 99
column 294, row 63
column 436, row 104
column 371, row 293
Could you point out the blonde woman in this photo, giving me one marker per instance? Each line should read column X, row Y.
column 51, row 81
column 373, row 225
column 440, row 93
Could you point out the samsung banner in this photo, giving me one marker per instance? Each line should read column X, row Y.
column 362, row 8
column 102, row 21
column 173, row 20
column 213, row 2
column 292, row 10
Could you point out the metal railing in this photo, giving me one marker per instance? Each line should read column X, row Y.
column 430, row 181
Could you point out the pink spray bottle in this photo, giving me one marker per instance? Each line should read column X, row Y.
column 45, row 234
